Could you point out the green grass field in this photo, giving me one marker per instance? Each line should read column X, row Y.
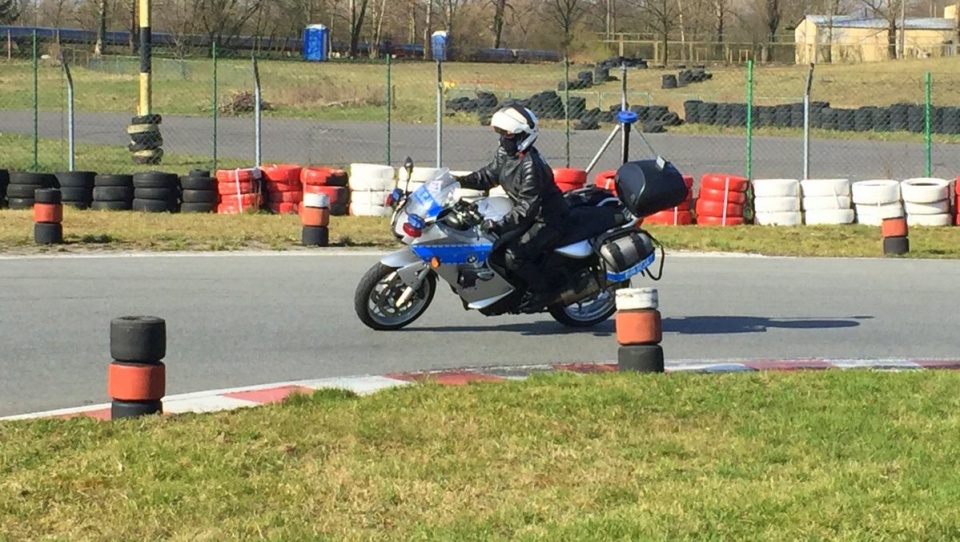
column 777, row 456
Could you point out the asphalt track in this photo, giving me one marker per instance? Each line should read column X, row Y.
column 468, row 147
column 238, row 320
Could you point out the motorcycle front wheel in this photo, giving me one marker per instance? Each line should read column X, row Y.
column 378, row 293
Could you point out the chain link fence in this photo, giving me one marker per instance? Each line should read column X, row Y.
column 64, row 107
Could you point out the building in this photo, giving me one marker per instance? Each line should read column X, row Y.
column 853, row 38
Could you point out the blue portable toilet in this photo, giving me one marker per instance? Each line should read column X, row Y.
column 316, row 43
column 440, row 45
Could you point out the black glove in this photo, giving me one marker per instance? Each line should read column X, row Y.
column 489, row 225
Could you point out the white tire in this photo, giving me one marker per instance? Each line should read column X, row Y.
column 460, row 172
column 944, row 219
column 826, row 203
column 934, row 208
column 874, row 214
column 637, row 299
column 829, row 216
column 359, row 209
column 786, row 204
column 371, row 177
column 776, row 188
column 321, row 201
column 814, row 188
column 369, row 197
column 876, row 192
column 424, row 174
column 794, row 218
column 467, row 194
column 925, row 190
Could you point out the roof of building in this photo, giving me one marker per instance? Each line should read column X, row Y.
column 856, row 21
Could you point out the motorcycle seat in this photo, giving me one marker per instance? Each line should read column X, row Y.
column 585, row 222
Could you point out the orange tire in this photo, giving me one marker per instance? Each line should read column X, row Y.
column 246, row 200
column 718, row 195
column 282, row 173
column 606, row 180
column 671, row 218
column 718, row 221
column 639, row 327
column 285, row 208
column 284, row 187
column 246, row 187
column 314, row 216
column 719, row 181
column 320, row 176
column 576, row 177
column 51, row 213
column 893, row 227
column 284, row 197
column 233, row 175
column 127, row 382
column 707, row 207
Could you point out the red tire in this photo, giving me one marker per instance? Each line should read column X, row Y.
column 339, row 195
column 282, row 173
column 284, row 187
column 246, row 200
column 285, row 208
column 671, row 218
column 721, row 182
column 233, row 175
column 716, row 208
column 606, row 180
column 688, row 179
column 718, row 195
column 285, row 197
column 231, row 188
column 321, row 176
column 718, row 221
column 576, row 177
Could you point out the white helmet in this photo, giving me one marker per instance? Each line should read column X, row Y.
column 517, row 120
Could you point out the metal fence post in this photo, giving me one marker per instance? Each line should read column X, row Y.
column 71, row 132
column 215, row 104
column 566, row 94
column 256, row 108
column 439, row 113
column 389, row 106
column 749, row 164
column 806, row 124
column 36, row 105
column 926, row 130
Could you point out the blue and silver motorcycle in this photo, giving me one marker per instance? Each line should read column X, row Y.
column 602, row 249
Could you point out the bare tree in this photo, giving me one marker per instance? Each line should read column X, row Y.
column 772, row 14
column 499, row 14
column 663, row 16
column 567, row 13
column 358, row 11
column 9, row 11
column 889, row 10
column 101, row 28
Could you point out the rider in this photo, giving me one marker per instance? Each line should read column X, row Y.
column 535, row 224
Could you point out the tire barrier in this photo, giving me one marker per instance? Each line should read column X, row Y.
column 956, row 199
column 145, row 140
column 776, row 202
column 239, row 190
column 76, row 188
column 894, row 231
column 827, row 201
column 283, row 188
column 112, row 193
column 198, row 192
column 369, row 186
column 22, row 187
column 4, row 181
column 330, row 183
column 48, row 216
column 606, row 180
column 681, row 215
column 639, row 330
column 315, row 221
column 877, row 199
column 927, row 201
column 136, row 378
column 156, row 192
column 569, row 179
column 722, row 200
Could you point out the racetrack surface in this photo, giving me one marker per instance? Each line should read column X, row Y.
column 238, row 320
column 469, row 147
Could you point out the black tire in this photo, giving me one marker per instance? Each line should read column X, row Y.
column 165, row 194
column 147, row 119
column 22, row 191
column 37, row 180
column 155, row 179
column 19, row 204
column 110, row 205
column 646, row 358
column 73, row 194
column 47, row 234
column 366, row 287
column 48, row 195
column 113, row 180
column 134, row 409
column 896, row 246
column 198, row 183
column 112, row 193
column 199, row 173
column 76, row 179
column 153, row 206
column 134, row 146
column 140, row 339
column 315, row 236
column 197, row 207
column 154, row 139
column 200, row 196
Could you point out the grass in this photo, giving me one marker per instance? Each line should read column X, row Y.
column 357, row 91
column 812, row 455
column 127, row 230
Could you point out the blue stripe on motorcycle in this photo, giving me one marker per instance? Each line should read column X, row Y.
column 624, row 275
column 454, row 253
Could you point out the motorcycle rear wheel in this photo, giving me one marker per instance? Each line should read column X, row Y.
column 590, row 311
column 378, row 310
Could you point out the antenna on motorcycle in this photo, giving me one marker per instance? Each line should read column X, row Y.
column 408, row 166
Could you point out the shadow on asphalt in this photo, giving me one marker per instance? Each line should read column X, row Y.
column 692, row 325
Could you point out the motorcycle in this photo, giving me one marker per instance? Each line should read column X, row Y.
column 602, row 249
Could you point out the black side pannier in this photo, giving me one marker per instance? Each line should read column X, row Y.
column 649, row 186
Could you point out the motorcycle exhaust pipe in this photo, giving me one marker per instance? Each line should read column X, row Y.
column 573, row 294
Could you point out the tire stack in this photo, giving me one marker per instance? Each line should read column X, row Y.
column 639, row 330
column 48, row 217
column 722, row 200
column 875, row 200
column 22, row 188
column 112, row 193
column 156, row 192
column 198, row 192
column 926, row 201
column 679, row 215
column 4, row 181
column 776, row 202
column 76, row 188
column 826, row 201
column 239, row 190
column 956, row 202
column 369, row 186
column 568, row 179
column 145, row 139
column 327, row 182
column 283, row 188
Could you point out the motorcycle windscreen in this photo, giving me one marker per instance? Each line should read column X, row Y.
column 431, row 197
column 649, row 186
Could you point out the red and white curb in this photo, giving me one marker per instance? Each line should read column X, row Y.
column 251, row 396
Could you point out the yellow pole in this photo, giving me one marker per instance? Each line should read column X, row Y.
column 146, row 98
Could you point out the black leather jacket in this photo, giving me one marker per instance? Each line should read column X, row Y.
column 528, row 180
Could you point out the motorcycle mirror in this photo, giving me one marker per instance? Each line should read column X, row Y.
column 408, row 165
